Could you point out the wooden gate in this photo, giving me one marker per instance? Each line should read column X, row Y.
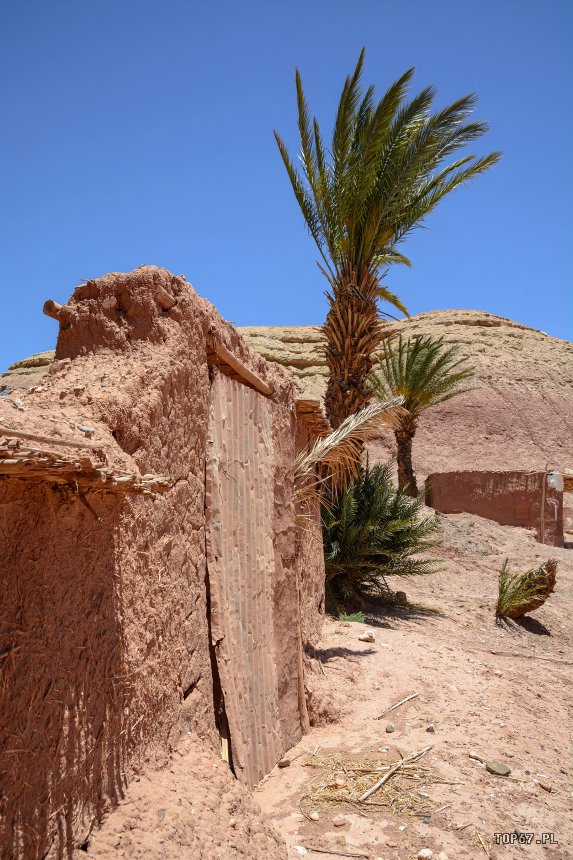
column 241, row 570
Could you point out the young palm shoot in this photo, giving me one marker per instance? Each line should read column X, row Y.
column 372, row 531
column 520, row 593
column 425, row 372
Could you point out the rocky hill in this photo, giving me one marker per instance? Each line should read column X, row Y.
column 519, row 417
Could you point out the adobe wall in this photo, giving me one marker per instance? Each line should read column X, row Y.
column 508, row 498
column 310, row 556
column 104, row 633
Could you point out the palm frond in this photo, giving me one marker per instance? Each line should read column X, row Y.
column 339, row 453
column 383, row 173
column 520, row 593
column 423, row 370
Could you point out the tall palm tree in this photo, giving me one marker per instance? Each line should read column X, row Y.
column 424, row 371
column 382, row 174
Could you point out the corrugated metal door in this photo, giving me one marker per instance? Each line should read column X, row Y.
column 240, row 560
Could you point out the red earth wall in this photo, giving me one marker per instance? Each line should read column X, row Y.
column 310, row 555
column 509, row 498
column 103, row 605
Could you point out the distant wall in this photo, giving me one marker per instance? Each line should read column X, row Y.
column 104, row 633
column 509, row 498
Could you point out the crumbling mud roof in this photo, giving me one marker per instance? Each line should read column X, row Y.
column 30, row 451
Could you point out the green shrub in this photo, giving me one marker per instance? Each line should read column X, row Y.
column 352, row 616
column 372, row 531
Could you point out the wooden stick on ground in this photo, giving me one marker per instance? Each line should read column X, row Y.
column 51, row 440
column 482, row 843
column 531, row 657
column 339, row 853
column 397, row 705
column 392, row 771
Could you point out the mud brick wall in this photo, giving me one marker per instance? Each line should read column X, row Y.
column 508, row 498
column 103, row 617
column 310, row 554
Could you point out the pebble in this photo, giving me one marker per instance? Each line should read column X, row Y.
column 431, row 728
column 425, row 854
column 339, row 821
column 497, row 768
column 284, row 762
column 314, row 816
column 390, row 728
column 367, row 636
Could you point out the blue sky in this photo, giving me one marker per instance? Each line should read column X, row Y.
column 141, row 132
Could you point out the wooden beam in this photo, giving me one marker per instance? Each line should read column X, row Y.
column 49, row 440
column 81, row 474
column 52, row 309
column 240, row 369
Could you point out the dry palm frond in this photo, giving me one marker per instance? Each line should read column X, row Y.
column 520, row 593
column 339, row 453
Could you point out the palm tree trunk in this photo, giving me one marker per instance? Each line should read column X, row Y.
column 406, row 476
column 353, row 332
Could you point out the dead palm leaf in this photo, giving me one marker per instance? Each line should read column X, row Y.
column 336, row 457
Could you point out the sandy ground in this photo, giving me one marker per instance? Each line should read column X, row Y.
column 503, row 693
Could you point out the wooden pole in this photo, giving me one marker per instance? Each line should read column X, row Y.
column 226, row 356
column 49, row 440
column 52, row 309
column 543, row 492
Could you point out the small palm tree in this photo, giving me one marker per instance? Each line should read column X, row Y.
column 372, row 531
column 382, row 175
column 424, row 371
column 520, row 593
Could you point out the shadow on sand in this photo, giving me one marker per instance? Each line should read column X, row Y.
column 526, row 624
column 324, row 655
column 383, row 614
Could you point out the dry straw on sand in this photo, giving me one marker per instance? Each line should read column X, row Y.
column 368, row 784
